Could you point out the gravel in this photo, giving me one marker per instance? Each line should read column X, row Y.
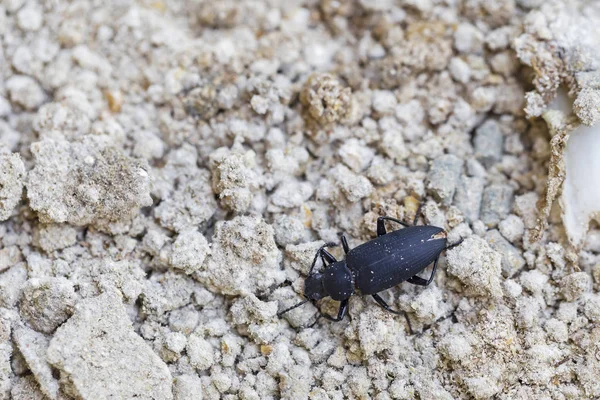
column 488, row 143
column 467, row 198
column 169, row 169
column 443, row 177
column 496, row 203
column 100, row 334
column 512, row 260
column 12, row 172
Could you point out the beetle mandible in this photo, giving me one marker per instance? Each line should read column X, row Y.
column 376, row 265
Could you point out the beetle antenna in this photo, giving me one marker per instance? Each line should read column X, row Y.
column 279, row 314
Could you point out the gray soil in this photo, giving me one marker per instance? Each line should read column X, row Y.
column 169, row 168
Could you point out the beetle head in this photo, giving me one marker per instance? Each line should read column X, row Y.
column 313, row 287
column 313, row 290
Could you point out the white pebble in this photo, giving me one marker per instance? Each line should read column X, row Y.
column 200, row 353
column 356, row 154
column 468, row 39
column 4, row 107
column 30, row 18
column 25, row 91
column 460, row 70
column 512, row 228
column 384, row 102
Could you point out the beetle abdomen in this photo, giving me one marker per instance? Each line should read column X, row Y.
column 394, row 257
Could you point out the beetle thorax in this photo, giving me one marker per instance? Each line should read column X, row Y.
column 338, row 281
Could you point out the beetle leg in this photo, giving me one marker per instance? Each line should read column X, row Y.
column 454, row 245
column 327, row 256
column 279, row 314
column 314, row 303
column 341, row 312
column 380, row 227
column 345, row 244
column 381, row 224
column 417, row 280
column 319, row 253
column 314, row 262
column 418, row 214
column 386, row 307
column 314, row 323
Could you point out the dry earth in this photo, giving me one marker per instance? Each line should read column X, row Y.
column 168, row 169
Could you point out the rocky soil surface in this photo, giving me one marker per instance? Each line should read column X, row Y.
column 169, row 168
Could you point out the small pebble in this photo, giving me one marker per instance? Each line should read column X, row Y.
column 469, row 193
column 496, row 204
column 443, row 177
column 512, row 261
column 512, row 228
column 488, row 143
column 30, row 18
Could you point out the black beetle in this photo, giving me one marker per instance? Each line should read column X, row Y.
column 376, row 265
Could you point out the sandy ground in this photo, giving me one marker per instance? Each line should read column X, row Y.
column 169, row 168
